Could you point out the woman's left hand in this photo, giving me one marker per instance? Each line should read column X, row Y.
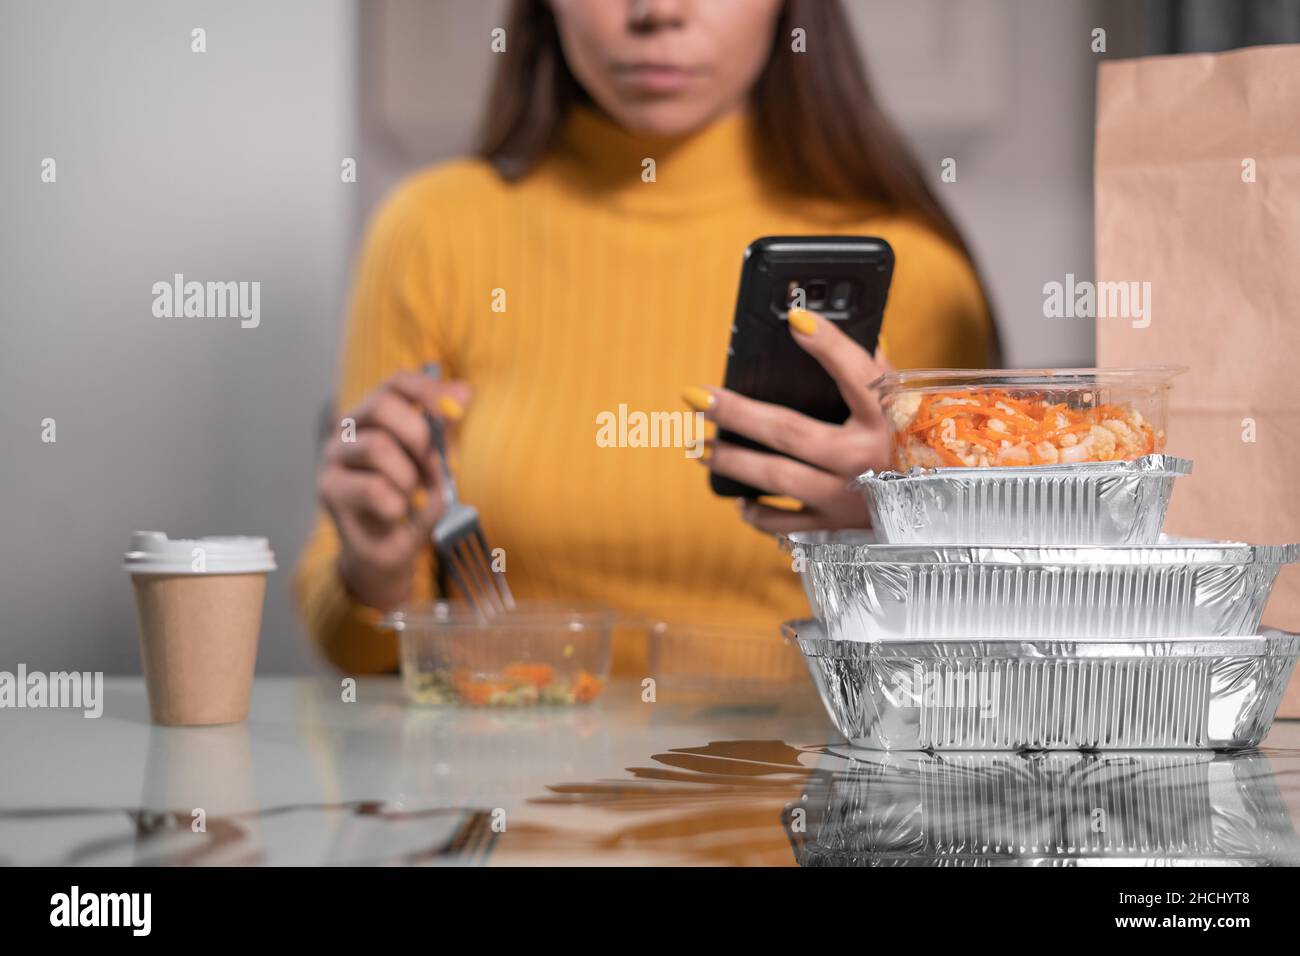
column 830, row 456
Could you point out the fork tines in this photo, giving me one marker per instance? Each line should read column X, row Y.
column 469, row 561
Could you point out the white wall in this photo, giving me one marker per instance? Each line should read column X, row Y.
column 224, row 166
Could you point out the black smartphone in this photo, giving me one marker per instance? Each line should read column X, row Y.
column 844, row 278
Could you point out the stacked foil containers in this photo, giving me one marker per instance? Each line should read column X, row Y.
column 1039, row 608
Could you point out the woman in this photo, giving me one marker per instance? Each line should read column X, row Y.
column 560, row 275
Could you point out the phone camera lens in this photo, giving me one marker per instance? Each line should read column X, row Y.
column 840, row 296
column 816, row 294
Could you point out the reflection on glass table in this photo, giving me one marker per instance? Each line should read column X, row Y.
column 1173, row 808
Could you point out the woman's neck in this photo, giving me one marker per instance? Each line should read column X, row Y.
column 714, row 165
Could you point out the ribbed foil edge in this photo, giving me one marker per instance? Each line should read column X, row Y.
column 1095, row 503
column 1178, row 589
column 1050, row 695
column 1147, row 464
column 819, row 547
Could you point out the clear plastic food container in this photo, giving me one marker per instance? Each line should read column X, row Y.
column 956, row 418
column 1099, row 503
column 540, row 653
column 724, row 660
column 899, row 592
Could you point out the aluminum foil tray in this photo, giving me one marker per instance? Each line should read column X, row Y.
column 1098, row 503
column 1217, row 694
column 1144, row 808
column 889, row 592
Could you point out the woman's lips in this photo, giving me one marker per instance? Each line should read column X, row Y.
column 655, row 78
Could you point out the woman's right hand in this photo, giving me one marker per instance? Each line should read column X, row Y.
column 381, row 483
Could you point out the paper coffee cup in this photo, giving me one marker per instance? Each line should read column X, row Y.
column 199, row 603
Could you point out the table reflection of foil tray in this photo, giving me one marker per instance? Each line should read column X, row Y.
column 1045, row 809
column 1213, row 694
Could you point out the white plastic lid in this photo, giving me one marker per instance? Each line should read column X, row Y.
column 152, row 552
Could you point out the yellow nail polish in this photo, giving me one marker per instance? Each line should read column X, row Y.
column 450, row 408
column 700, row 399
column 781, row 502
column 802, row 321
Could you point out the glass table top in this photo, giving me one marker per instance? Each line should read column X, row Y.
column 312, row 779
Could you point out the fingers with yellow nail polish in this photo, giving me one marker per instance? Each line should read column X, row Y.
column 698, row 397
column 802, row 321
column 781, row 502
column 450, row 409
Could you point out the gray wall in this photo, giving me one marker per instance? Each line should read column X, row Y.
column 225, row 166
column 1023, row 194
column 220, row 165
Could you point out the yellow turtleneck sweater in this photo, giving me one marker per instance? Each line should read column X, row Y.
column 617, row 291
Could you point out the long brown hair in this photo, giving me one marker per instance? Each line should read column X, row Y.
column 823, row 132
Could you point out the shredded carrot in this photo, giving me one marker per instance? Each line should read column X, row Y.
column 991, row 426
column 586, row 687
column 539, row 675
column 967, row 433
column 949, row 457
column 480, row 692
column 1020, row 405
column 925, row 425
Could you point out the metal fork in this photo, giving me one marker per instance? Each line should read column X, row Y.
column 458, row 539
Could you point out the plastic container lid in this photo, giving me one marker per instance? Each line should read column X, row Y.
column 527, row 616
column 1147, row 376
column 152, row 552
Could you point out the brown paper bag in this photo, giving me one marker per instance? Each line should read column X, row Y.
column 1198, row 193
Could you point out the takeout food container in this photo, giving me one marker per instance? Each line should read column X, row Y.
column 867, row 592
column 1097, row 503
column 539, row 653
column 1023, row 417
column 1146, row 808
column 1217, row 693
